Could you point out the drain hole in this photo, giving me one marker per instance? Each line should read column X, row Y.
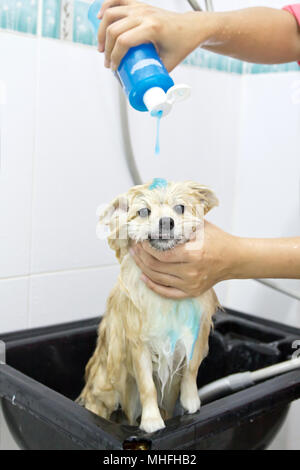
column 134, row 443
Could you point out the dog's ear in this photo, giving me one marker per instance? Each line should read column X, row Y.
column 118, row 207
column 114, row 215
column 206, row 196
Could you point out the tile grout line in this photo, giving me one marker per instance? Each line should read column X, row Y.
column 241, row 115
column 34, row 155
column 39, row 27
column 60, row 271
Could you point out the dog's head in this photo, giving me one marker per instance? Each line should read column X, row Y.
column 165, row 213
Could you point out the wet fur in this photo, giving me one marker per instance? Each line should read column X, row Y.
column 124, row 369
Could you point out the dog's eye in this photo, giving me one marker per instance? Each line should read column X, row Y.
column 145, row 212
column 179, row 209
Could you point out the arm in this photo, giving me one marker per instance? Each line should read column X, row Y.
column 263, row 35
column 268, row 258
column 260, row 35
column 191, row 269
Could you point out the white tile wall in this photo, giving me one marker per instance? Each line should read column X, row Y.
column 71, row 295
column 268, row 172
column 18, row 74
column 13, row 304
column 57, row 166
column 79, row 162
column 252, row 297
column 267, row 202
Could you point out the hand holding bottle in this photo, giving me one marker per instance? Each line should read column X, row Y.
column 257, row 34
column 130, row 23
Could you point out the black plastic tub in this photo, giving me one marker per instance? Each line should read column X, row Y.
column 44, row 374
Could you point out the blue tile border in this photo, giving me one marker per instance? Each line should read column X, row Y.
column 22, row 16
column 83, row 31
column 209, row 60
column 51, row 19
column 19, row 15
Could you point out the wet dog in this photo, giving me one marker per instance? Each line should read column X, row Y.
column 149, row 348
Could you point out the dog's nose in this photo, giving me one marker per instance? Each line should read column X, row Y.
column 166, row 224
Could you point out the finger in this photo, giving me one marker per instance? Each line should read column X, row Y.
column 114, row 31
column 132, row 38
column 174, row 269
column 168, row 292
column 109, row 4
column 111, row 15
column 179, row 254
column 159, row 278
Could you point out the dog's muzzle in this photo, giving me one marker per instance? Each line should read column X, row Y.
column 164, row 239
column 166, row 227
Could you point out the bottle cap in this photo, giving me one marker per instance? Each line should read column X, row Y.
column 158, row 101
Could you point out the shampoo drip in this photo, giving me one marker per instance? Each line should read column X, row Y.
column 157, row 142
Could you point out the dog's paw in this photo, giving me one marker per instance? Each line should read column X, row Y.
column 152, row 424
column 80, row 401
column 190, row 402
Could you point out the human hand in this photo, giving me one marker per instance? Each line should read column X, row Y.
column 128, row 23
column 191, row 269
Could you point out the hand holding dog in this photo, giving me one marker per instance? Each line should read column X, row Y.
column 190, row 269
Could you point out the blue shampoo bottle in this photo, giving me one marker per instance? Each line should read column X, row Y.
column 144, row 77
